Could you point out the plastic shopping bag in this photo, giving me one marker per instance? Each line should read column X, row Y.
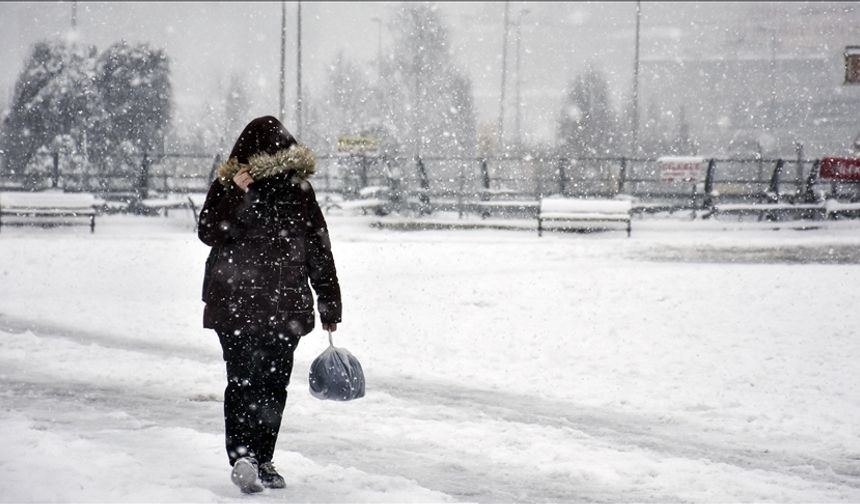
column 336, row 375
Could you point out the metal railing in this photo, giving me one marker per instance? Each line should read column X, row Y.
column 444, row 179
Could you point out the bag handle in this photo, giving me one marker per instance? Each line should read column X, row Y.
column 330, row 342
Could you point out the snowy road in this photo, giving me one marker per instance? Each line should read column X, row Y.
column 124, row 405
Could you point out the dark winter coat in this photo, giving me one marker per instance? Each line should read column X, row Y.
column 266, row 245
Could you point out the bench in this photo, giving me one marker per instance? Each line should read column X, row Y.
column 166, row 204
column 175, row 201
column 370, row 199
column 566, row 213
column 769, row 204
column 768, row 210
column 489, row 208
column 806, row 204
column 376, row 205
column 836, row 209
column 837, row 171
column 641, row 208
column 52, row 208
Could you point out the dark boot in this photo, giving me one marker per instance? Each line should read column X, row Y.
column 244, row 475
column 269, row 477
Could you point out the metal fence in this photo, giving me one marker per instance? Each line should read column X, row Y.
column 441, row 179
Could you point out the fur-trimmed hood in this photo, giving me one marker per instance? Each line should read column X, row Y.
column 298, row 157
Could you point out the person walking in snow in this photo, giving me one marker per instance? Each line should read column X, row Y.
column 268, row 239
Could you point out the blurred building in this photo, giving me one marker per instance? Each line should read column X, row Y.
column 756, row 79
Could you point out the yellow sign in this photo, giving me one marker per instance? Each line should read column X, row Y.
column 357, row 145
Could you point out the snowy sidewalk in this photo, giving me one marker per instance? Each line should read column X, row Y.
column 108, row 437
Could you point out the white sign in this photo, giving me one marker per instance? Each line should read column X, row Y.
column 682, row 168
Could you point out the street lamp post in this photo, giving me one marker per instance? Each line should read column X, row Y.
column 501, row 125
column 281, row 106
column 299, row 120
column 418, row 62
column 518, row 123
column 378, row 21
column 772, row 68
column 635, row 119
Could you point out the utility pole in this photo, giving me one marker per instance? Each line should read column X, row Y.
column 501, row 125
column 299, row 120
column 635, row 119
column 518, row 123
column 74, row 15
column 281, row 107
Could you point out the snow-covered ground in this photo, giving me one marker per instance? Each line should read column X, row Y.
column 695, row 361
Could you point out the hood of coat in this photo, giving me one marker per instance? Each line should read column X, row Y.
column 298, row 158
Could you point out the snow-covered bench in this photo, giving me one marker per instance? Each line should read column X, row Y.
column 503, row 202
column 767, row 209
column 769, row 203
column 52, row 208
column 566, row 213
column 167, row 203
column 834, row 209
column 527, row 208
column 375, row 205
column 371, row 198
column 174, row 201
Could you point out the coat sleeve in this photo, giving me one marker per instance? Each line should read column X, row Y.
column 320, row 264
column 218, row 223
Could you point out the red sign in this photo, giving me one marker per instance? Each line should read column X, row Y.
column 852, row 65
column 840, row 169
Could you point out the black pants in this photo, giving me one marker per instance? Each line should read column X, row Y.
column 259, row 364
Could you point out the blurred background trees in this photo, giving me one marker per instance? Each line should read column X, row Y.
column 96, row 107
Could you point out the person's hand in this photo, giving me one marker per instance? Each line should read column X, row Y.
column 242, row 178
column 330, row 327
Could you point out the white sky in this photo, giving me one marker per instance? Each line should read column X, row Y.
column 207, row 41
